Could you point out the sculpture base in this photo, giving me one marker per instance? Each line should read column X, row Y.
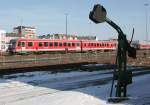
column 117, row 99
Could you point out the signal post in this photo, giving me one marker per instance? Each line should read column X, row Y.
column 121, row 75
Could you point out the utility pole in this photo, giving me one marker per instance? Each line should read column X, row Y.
column 90, row 29
column 146, row 23
column 66, row 23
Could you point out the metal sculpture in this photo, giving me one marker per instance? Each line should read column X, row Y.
column 123, row 77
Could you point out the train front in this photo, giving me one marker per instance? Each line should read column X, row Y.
column 12, row 46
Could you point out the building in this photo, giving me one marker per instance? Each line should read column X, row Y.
column 87, row 37
column 67, row 37
column 10, row 36
column 18, row 32
column 2, row 40
column 58, row 37
column 21, row 32
column 25, row 32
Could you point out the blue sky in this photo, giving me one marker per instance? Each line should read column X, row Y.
column 48, row 16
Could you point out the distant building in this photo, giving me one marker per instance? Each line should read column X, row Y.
column 25, row 32
column 67, row 37
column 10, row 36
column 18, row 32
column 58, row 37
column 87, row 37
column 2, row 40
column 113, row 39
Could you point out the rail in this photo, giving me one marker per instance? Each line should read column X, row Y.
column 16, row 61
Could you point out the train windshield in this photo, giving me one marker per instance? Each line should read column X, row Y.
column 13, row 42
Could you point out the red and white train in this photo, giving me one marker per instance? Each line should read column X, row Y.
column 47, row 45
column 35, row 45
column 141, row 45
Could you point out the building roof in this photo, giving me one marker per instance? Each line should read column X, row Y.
column 19, row 27
column 11, row 34
column 86, row 37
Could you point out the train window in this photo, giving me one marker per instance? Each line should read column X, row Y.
column 65, row 44
column 51, row 44
column 73, row 44
column 85, row 44
column 13, row 43
column 30, row 44
column 55, row 43
column 107, row 44
column 69, row 44
column 77, row 44
column 40, row 44
column 60, row 44
column 98, row 44
column 23, row 44
column 95, row 44
column 46, row 44
column 103, row 44
column 19, row 44
column 92, row 44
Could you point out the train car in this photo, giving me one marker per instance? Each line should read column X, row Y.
column 141, row 45
column 144, row 45
column 35, row 45
column 98, row 45
column 47, row 45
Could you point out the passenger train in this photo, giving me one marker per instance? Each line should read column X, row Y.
column 140, row 45
column 48, row 45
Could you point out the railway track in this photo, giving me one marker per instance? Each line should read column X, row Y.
column 23, row 61
column 16, row 89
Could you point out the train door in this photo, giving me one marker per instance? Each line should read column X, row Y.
column 23, row 46
column 78, row 46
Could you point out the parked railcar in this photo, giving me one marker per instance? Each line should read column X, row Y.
column 36, row 45
column 141, row 45
column 144, row 45
column 98, row 45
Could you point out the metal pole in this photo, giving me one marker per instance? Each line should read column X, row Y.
column 90, row 29
column 121, row 87
column 66, row 22
column 146, row 20
column 21, row 27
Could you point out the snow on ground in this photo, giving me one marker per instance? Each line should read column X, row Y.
column 26, row 89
